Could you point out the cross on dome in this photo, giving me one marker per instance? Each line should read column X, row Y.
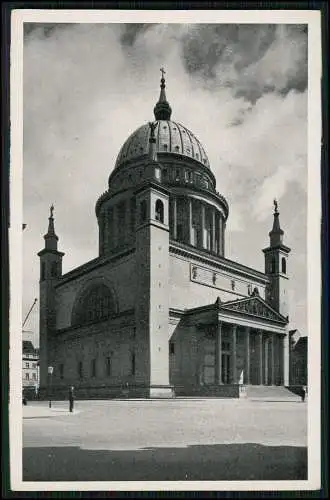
column 162, row 109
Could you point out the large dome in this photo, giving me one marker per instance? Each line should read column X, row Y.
column 171, row 138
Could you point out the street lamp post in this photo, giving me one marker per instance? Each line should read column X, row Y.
column 50, row 373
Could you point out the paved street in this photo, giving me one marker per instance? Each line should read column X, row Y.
column 192, row 439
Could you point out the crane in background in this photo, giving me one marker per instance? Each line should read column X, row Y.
column 28, row 314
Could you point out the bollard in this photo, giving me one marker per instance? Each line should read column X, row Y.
column 71, row 399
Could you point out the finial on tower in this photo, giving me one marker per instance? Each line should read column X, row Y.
column 162, row 110
column 51, row 238
column 276, row 234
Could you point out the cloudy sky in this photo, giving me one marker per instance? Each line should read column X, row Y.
column 241, row 89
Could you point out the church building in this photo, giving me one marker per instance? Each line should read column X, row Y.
column 162, row 311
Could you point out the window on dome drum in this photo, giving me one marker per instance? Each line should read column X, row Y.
column 61, row 370
column 179, row 232
column 172, row 348
column 143, row 210
column 283, row 265
column 159, row 211
column 95, row 304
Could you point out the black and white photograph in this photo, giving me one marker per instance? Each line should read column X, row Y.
column 166, row 207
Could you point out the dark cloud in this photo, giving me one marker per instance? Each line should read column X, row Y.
column 250, row 59
column 44, row 29
column 205, row 46
column 130, row 32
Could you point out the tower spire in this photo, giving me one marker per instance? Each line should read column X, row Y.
column 50, row 238
column 162, row 110
column 276, row 234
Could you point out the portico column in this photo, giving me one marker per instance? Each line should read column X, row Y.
column 174, row 219
column 204, row 245
column 223, row 239
column 260, row 358
column 218, row 353
column 272, row 381
column 220, row 236
column 286, row 359
column 190, row 219
column 247, row 356
column 266, row 359
column 233, row 354
column 213, row 230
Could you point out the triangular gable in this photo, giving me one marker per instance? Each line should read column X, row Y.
column 254, row 306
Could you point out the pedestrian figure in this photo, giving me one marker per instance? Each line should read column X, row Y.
column 71, row 398
column 303, row 394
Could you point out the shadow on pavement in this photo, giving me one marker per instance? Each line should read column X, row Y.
column 37, row 416
column 248, row 461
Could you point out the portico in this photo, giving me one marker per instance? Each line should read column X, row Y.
column 230, row 345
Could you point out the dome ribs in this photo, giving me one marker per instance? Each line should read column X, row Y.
column 177, row 137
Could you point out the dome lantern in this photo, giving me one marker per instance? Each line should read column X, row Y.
column 162, row 110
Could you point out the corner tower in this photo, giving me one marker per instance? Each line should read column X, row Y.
column 152, row 272
column 50, row 273
column 276, row 267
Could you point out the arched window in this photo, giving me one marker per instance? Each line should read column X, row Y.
column 143, row 210
column 95, row 304
column 283, row 265
column 273, row 265
column 159, row 211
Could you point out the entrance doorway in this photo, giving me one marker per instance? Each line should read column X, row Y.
column 225, row 368
column 208, row 363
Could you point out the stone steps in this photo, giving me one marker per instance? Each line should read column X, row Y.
column 270, row 393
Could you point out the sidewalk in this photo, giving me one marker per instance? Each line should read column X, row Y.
column 35, row 410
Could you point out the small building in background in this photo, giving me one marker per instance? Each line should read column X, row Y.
column 298, row 358
column 30, row 367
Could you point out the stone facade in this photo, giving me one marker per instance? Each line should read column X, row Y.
column 161, row 310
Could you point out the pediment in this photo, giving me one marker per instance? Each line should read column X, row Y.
column 254, row 306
